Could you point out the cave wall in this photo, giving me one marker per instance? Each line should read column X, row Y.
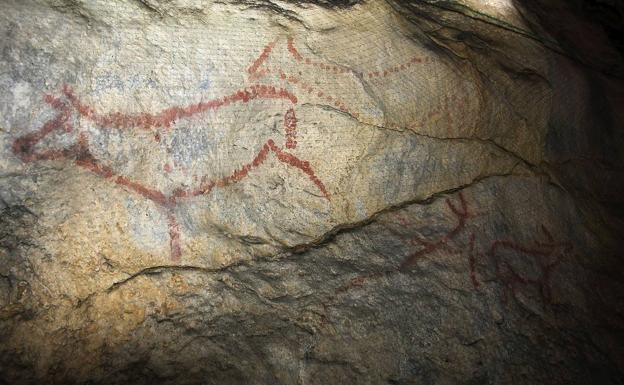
column 270, row 192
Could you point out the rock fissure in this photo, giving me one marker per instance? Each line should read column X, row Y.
column 311, row 192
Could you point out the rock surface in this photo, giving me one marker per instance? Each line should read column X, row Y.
column 329, row 192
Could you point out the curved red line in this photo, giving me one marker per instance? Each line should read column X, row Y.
column 473, row 263
column 262, row 58
column 462, row 218
column 258, row 160
column 293, row 50
column 302, row 165
column 167, row 116
column 174, row 236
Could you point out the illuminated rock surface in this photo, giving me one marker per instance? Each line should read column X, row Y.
column 249, row 192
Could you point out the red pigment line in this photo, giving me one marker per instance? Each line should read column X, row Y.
column 326, row 67
column 238, row 175
column 148, row 193
column 169, row 115
column 472, row 262
column 262, row 58
column 290, row 126
column 566, row 246
column 80, row 154
column 207, row 185
column 302, row 165
column 95, row 167
column 55, row 102
column 543, row 250
column 510, row 278
column 394, row 69
column 284, row 157
column 361, row 279
column 462, row 217
column 24, row 146
column 296, row 82
column 85, row 160
column 265, row 92
column 546, row 289
column 293, row 50
column 174, row 236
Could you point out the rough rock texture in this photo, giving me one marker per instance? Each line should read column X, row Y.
column 309, row 192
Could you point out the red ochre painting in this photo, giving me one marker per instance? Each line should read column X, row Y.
column 518, row 268
column 68, row 105
column 547, row 254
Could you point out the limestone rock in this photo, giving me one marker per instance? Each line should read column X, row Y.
column 272, row 192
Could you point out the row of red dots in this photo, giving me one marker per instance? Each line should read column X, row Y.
column 397, row 68
column 341, row 70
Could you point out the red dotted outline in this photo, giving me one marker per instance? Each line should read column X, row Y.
column 296, row 81
column 385, row 72
column 290, row 126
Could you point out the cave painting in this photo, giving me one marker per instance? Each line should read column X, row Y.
column 259, row 69
column 69, row 106
column 462, row 213
column 79, row 153
column 460, row 210
column 520, row 267
column 516, row 266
